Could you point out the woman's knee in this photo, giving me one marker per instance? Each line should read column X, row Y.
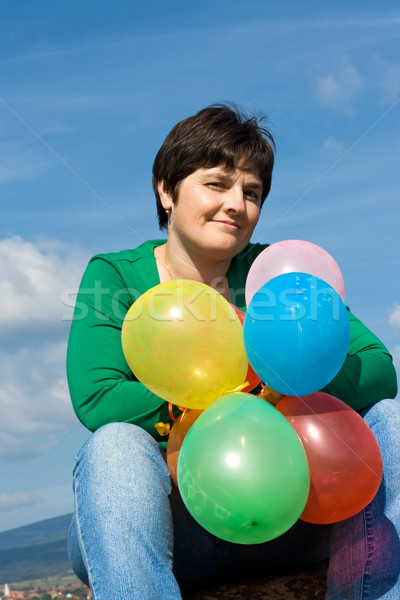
column 119, row 450
column 384, row 417
column 384, row 420
column 117, row 442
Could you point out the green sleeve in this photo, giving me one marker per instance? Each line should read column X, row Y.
column 102, row 387
column 104, row 390
column 367, row 374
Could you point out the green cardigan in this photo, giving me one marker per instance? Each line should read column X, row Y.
column 104, row 390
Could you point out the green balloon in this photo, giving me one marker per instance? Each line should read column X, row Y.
column 242, row 470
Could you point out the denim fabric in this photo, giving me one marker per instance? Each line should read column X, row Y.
column 121, row 541
column 365, row 549
column 132, row 537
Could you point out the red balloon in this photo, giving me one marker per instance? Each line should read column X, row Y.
column 343, row 454
column 176, row 437
column 251, row 377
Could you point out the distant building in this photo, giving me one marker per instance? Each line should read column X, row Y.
column 6, row 592
column 12, row 593
column 56, row 594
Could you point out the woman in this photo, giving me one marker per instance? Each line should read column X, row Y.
column 131, row 536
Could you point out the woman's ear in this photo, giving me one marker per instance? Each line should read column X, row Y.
column 165, row 197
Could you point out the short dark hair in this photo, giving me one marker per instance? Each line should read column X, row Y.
column 217, row 135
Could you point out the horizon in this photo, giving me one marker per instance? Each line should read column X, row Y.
column 27, row 525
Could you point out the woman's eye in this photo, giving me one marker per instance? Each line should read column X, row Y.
column 251, row 195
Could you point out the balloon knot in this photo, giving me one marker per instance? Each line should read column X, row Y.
column 162, row 428
column 270, row 395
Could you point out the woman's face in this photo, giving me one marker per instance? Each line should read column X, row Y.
column 216, row 211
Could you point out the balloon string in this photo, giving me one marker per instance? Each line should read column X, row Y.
column 237, row 389
column 164, row 429
column 183, row 413
column 171, row 414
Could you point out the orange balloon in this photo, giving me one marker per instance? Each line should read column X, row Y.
column 343, row 455
column 252, row 378
column 176, row 437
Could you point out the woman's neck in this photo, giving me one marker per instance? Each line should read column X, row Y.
column 173, row 262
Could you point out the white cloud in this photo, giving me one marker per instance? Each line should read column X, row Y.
column 12, row 169
column 391, row 83
column 395, row 352
column 338, row 90
column 18, row 500
column 22, row 508
column 394, row 321
column 394, row 316
column 34, row 279
column 333, row 144
column 34, row 400
column 387, row 79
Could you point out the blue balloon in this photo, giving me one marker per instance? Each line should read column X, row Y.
column 296, row 333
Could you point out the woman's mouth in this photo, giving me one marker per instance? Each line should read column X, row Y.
column 230, row 225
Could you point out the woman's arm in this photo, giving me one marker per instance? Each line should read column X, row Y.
column 102, row 387
column 367, row 374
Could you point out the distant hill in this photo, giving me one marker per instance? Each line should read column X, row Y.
column 35, row 551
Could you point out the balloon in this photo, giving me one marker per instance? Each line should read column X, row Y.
column 242, row 470
column 251, row 377
column 176, row 437
column 296, row 333
column 184, row 342
column 343, row 455
column 291, row 256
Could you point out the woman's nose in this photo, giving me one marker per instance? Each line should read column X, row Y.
column 234, row 200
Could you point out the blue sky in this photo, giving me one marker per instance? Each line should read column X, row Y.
column 88, row 92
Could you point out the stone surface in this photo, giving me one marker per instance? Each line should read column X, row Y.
column 299, row 585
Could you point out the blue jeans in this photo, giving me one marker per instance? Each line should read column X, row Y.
column 132, row 538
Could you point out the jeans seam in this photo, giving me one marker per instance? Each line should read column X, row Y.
column 81, row 540
column 366, row 579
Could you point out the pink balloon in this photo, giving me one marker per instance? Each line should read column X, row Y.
column 290, row 256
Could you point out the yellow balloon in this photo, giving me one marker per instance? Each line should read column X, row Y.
column 184, row 342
